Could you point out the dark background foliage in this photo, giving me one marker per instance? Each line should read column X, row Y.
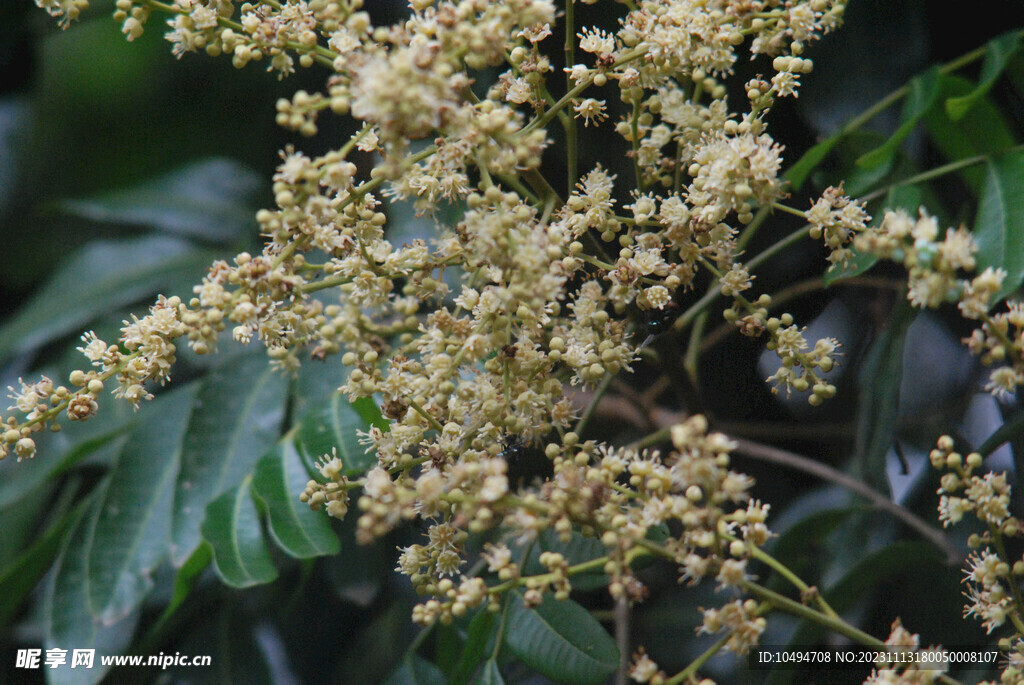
column 90, row 125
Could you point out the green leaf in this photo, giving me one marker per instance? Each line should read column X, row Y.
column 21, row 576
column 279, row 478
column 187, row 576
column 238, row 417
column 69, row 623
column 873, row 569
column 229, row 636
column 102, row 276
column 997, row 54
column 333, row 425
column 415, row 670
column 982, row 131
column 799, row 546
column 923, row 93
column 210, row 199
column 879, row 397
column 999, row 225
column 357, row 576
column 133, row 529
column 314, row 384
column 560, row 640
column 491, row 674
column 232, row 528
column 863, row 578
column 802, row 168
column 1006, row 432
column 482, row 631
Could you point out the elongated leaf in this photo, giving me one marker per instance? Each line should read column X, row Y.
column 187, row 576
column 132, row 532
column 102, row 276
column 799, row 547
column 491, row 674
column 560, row 640
column 279, row 478
column 237, row 654
column 237, row 419
column 20, row 577
column 69, row 623
column 314, row 384
column 923, row 94
column 982, row 131
column 209, row 199
column 415, row 670
column 333, row 425
column 482, row 630
column 999, row 225
column 869, row 573
column 997, row 54
column 802, row 168
column 878, row 404
column 232, row 527
column 1003, row 434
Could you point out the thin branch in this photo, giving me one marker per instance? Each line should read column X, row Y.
column 774, row 455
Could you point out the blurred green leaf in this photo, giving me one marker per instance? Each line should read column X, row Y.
column 802, row 168
column 997, row 54
column 1004, row 433
column 449, row 643
column 20, row 577
column 333, row 425
column 238, row 416
column 357, row 575
column 800, row 545
column 102, row 276
column 560, row 640
column 210, row 200
column 69, row 623
column 415, row 670
column 314, row 384
column 983, row 130
column 491, row 674
column 872, row 570
column 230, row 637
column 232, row 527
column 482, row 631
column 999, row 225
column 279, row 478
column 187, row 576
column 879, row 396
column 132, row 531
column 15, row 122
column 923, row 94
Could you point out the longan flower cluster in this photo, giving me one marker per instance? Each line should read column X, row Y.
column 616, row 495
column 933, row 265
column 802, row 366
column 836, row 218
column 471, row 339
column 934, row 276
column 992, row 577
column 911, row 672
column 145, row 354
